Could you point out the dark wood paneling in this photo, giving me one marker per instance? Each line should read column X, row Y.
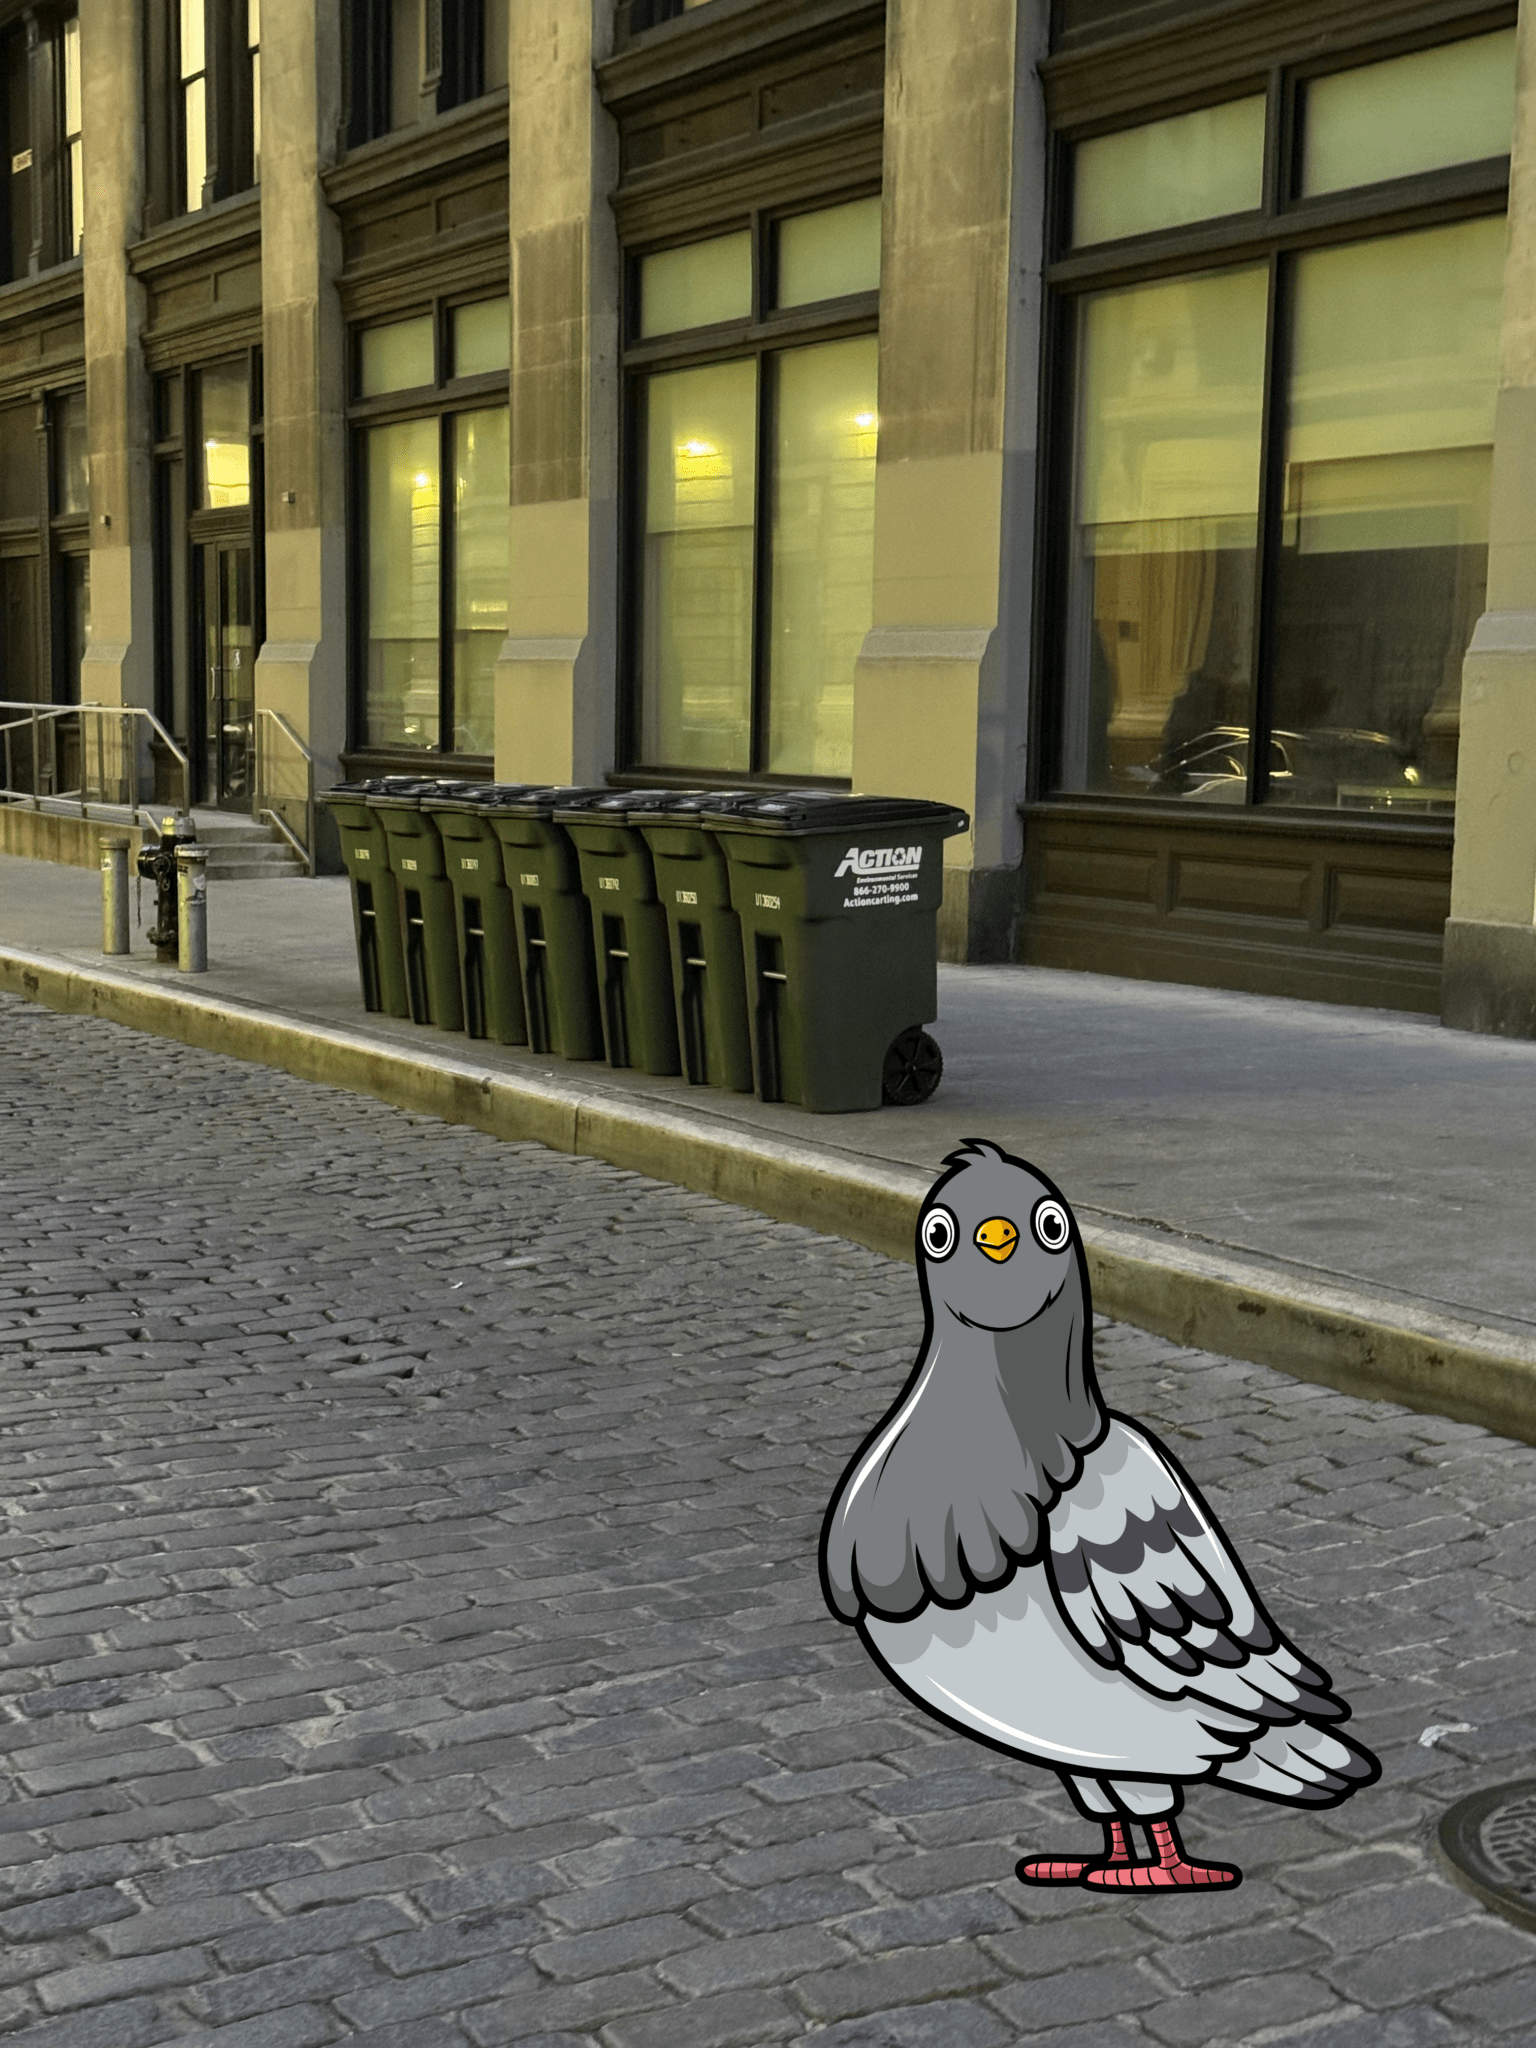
column 764, row 106
column 1276, row 906
column 1222, row 49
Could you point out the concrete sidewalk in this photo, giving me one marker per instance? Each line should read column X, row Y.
column 1345, row 1194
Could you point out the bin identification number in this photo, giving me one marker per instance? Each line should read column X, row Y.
column 529, row 881
column 473, row 864
column 409, row 866
column 607, row 881
column 687, row 895
column 362, row 853
column 768, row 903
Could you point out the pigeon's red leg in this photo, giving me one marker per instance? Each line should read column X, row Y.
column 1171, row 1869
column 1073, row 1869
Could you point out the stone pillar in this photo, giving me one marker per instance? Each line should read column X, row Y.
column 555, row 679
column 940, row 688
column 301, row 670
column 1490, row 938
column 119, row 659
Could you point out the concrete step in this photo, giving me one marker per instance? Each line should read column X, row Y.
column 239, row 868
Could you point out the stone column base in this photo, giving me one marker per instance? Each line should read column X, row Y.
column 1489, row 978
column 979, row 917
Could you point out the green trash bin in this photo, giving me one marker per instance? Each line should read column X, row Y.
column 490, row 977
column 629, row 930
column 428, row 921
column 554, row 926
column 694, row 884
column 375, row 909
column 838, row 898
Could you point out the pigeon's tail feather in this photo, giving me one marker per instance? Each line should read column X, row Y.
column 1301, row 1765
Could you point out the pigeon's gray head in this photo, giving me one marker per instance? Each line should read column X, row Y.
column 996, row 1244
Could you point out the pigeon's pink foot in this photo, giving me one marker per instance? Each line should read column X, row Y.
column 1171, row 1871
column 1161, row 1876
column 1075, row 1869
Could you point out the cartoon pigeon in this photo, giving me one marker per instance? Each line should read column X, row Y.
column 1038, row 1572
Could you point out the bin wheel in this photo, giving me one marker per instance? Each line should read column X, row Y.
column 913, row 1068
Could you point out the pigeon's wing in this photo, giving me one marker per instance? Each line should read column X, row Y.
column 1148, row 1584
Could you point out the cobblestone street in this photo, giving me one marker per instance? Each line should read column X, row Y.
column 413, row 1637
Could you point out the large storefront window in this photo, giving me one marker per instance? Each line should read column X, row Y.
column 433, row 540
column 756, row 525
column 1280, row 473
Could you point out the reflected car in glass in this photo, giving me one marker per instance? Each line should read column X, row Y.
column 1331, row 767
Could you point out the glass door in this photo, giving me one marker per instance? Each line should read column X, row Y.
column 230, row 656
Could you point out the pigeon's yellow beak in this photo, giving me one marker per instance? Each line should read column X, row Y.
column 997, row 1237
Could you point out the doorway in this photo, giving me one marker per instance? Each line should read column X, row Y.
column 229, row 659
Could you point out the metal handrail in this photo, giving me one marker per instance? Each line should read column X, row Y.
column 264, row 805
column 136, row 728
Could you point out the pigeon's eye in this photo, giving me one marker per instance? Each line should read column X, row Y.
column 1050, row 1224
column 938, row 1233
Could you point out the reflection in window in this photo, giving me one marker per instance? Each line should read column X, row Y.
column 696, row 654
column 822, row 550
column 71, row 456
column 1383, row 568
column 480, row 497
column 253, row 61
column 1451, row 105
column 404, row 553
column 77, row 621
column 74, row 205
column 1170, row 383
column 1166, row 173
column 225, row 421
column 194, row 103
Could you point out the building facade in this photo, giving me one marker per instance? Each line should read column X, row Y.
column 1114, row 418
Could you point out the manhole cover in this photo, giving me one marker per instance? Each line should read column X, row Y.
column 1489, row 1841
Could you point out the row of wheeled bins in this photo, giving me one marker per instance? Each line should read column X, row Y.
column 780, row 943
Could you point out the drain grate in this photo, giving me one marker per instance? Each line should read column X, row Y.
column 1489, row 1842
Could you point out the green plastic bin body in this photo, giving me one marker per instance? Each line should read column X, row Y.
column 427, row 915
column 485, row 918
column 709, row 987
column 631, row 950
column 839, row 938
column 553, row 925
column 375, row 908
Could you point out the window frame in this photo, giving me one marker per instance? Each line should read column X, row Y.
column 1285, row 227
column 761, row 334
column 41, row 37
column 444, row 399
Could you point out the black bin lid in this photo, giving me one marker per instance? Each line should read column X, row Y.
column 686, row 804
column 379, row 785
column 473, row 796
column 799, row 811
column 543, row 803
column 612, row 804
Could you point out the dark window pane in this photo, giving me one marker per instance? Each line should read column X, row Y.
column 1165, row 523
column 77, row 620
column 1383, row 566
column 18, row 463
column 72, row 479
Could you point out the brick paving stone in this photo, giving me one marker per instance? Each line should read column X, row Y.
column 383, row 1696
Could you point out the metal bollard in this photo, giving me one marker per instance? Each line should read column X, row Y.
column 114, row 892
column 192, row 908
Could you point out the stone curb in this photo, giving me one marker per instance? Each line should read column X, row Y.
column 1376, row 1346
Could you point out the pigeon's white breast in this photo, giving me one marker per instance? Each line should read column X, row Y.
column 1007, row 1667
